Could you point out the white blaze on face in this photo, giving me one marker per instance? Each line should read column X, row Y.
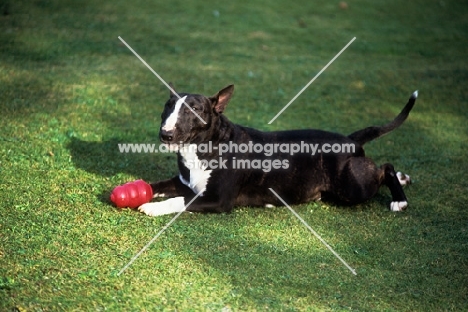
column 171, row 121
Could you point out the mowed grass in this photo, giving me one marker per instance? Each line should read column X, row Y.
column 70, row 91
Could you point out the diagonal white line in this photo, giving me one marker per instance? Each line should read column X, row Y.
column 157, row 235
column 160, row 78
column 313, row 79
column 313, row 232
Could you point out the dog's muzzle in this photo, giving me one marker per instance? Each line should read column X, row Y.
column 166, row 136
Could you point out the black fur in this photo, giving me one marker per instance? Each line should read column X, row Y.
column 349, row 177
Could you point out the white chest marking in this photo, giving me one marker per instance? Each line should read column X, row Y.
column 171, row 121
column 198, row 174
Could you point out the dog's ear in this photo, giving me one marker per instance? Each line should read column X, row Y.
column 172, row 90
column 221, row 99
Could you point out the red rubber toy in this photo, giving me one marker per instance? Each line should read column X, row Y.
column 132, row 194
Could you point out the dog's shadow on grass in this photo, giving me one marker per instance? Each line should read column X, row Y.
column 104, row 158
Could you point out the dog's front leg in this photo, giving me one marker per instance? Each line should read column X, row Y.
column 167, row 188
column 172, row 205
column 170, row 188
column 186, row 203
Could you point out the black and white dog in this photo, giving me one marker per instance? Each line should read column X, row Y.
column 238, row 165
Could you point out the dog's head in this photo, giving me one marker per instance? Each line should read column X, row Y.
column 187, row 117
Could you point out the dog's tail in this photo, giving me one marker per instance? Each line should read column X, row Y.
column 370, row 133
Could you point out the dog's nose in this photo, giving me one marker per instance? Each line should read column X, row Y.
column 166, row 136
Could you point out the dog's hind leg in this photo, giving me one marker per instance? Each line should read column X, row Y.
column 403, row 178
column 360, row 179
column 394, row 181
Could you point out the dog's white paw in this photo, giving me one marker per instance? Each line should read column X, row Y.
column 398, row 206
column 403, row 178
column 269, row 206
column 169, row 206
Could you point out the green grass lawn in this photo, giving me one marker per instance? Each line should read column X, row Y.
column 70, row 91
